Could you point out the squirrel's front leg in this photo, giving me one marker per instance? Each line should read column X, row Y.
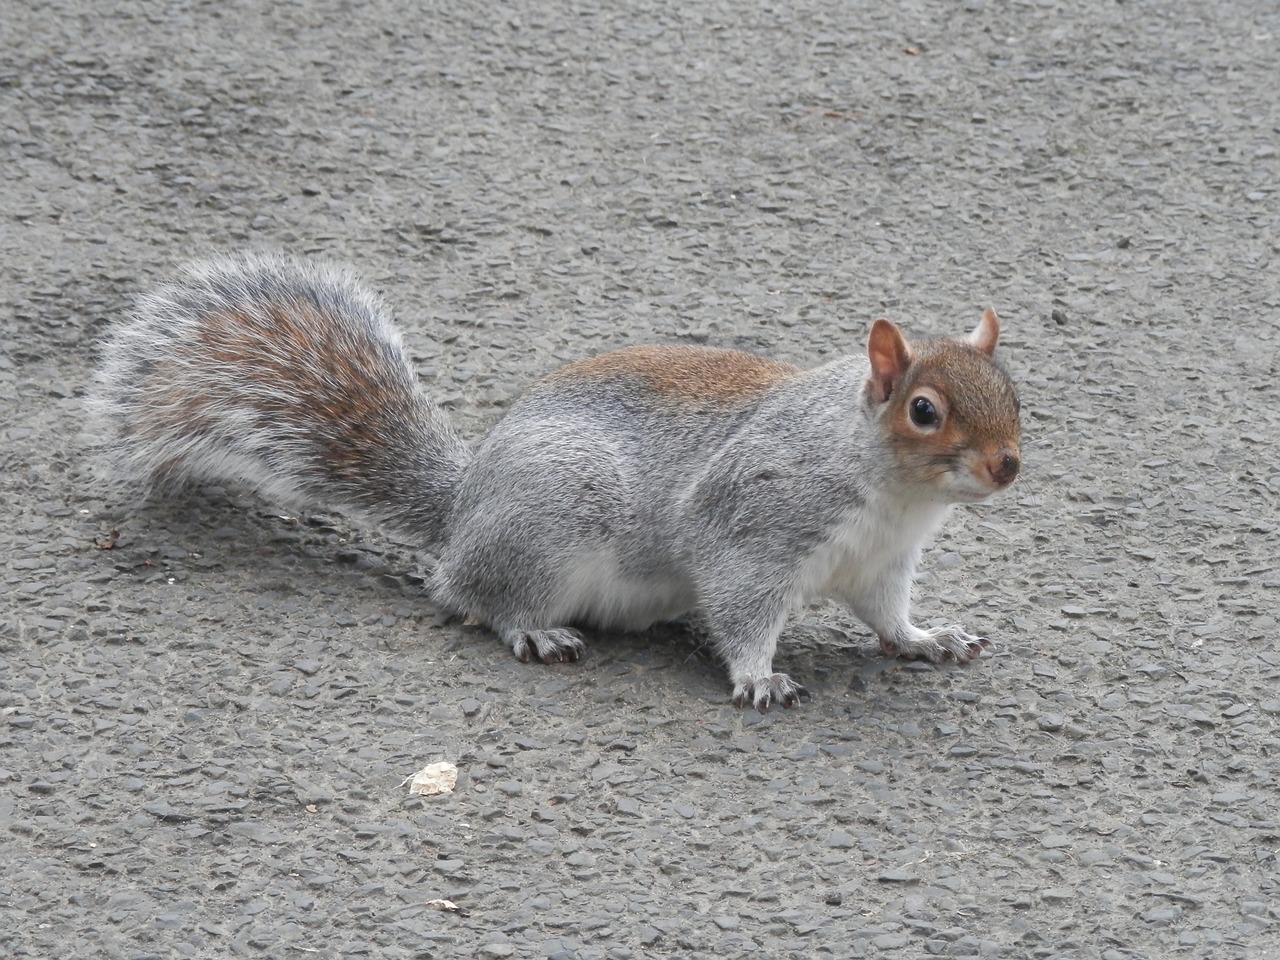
column 886, row 608
column 744, row 626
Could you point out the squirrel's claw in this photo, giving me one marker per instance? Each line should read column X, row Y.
column 766, row 691
column 559, row 645
column 937, row 645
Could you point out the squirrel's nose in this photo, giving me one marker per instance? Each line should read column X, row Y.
column 1003, row 467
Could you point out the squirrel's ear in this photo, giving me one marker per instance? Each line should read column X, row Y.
column 890, row 356
column 986, row 333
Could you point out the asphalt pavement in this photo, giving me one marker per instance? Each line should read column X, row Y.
column 209, row 709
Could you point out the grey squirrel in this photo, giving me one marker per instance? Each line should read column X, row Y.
column 621, row 490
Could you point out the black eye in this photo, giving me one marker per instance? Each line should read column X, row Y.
column 923, row 412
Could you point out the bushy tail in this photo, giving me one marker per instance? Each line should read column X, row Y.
column 284, row 376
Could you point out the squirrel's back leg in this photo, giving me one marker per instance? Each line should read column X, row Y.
column 533, row 543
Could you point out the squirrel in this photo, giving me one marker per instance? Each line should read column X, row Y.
column 621, row 490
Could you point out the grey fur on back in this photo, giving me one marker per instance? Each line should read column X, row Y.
column 573, row 512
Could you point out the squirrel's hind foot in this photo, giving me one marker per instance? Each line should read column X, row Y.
column 937, row 645
column 558, row 645
column 763, row 692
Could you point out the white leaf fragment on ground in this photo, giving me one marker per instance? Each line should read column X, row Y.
column 446, row 905
column 434, row 778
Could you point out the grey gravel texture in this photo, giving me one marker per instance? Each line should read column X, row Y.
column 205, row 729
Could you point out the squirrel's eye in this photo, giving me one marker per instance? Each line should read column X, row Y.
column 923, row 412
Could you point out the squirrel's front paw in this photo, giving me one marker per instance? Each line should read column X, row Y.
column 765, row 691
column 559, row 645
column 937, row 645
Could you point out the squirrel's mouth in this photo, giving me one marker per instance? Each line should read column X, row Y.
column 971, row 491
column 983, row 480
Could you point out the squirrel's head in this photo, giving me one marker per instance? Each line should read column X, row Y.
column 947, row 409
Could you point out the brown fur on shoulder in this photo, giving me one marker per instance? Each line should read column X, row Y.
column 683, row 373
